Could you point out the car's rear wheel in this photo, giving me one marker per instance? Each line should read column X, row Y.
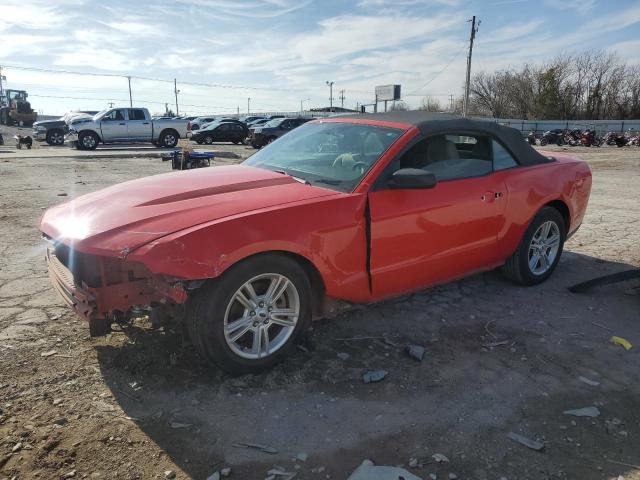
column 543, row 141
column 208, row 140
column 247, row 320
column 169, row 139
column 539, row 252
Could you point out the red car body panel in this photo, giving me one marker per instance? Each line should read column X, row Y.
column 366, row 245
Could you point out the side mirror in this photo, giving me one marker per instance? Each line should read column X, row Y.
column 412, row 178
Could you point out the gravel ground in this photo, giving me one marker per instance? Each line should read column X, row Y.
column 499, row 358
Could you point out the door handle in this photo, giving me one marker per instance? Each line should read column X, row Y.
column 122, row 124
column 145, row 123
column 490, row 196
column 498, row 195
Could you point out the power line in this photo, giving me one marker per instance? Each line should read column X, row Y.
column 438, row 73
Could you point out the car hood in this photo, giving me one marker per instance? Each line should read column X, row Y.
column 118, row 219
column 49, row 123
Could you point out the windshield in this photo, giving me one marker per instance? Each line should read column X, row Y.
column 330, row 154
column 100, row 113
column 273, row 123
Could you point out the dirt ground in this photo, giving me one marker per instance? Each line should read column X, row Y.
column 499, row 358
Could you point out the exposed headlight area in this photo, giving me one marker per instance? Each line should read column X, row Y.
column 73, row 228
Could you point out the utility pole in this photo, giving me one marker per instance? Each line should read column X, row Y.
column 330, row 84
column 248, row 104
column 176, row 91
column 451, row 102
column 1, row 88
column 342, row 98
column 474, row 29
column 130, row 99
column 111, row 104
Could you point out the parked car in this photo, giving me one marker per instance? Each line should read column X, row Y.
column 255, row 123
column 349, row 209
column 262, row 135
column 224, row 120
column 221, row 132
column 197, row 123
column 124, row 125
column 53, row 131
column 251, row 118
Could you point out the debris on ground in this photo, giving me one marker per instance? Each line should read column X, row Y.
column 256, row 446
column 413, row 462
column 342, row 355
column 583, row 412
column 623, row 342
column 374, row 376
column 453, row 476
column 368, row 471
column 280, row 473
column 440, row 458
column 612, row 425
column 169, row 474
column 48, row 353
column 225, row 472
column 179, row 425
column 302, row 456
column 527, row 442
column 214, row 476
column 416, row 352
column 588, row 381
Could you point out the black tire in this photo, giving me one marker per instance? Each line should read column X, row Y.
column 236, row 142
column 169, row 138
column 206, row 311
column 208, row 140
column 55, row 137
column 559, row 141
column 517, row 268
column 199, row 142
column 88, row 141
column 543, row 142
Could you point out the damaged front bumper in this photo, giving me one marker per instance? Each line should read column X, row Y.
column 100, row 289
column 71, row 137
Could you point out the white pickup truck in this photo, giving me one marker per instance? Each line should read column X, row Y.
column 124, row 125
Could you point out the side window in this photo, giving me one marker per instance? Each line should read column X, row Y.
column 224, row 127
column 136, row 114
column 114, row 115
column 451, row 156
column 501, row 158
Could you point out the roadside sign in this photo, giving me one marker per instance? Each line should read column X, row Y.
column 387, row 92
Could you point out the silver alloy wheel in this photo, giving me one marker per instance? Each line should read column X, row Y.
column 56, row 138
column 88, row 141
column 170, row 140
column 208, row 140
column 261, row 316
column 544, row 247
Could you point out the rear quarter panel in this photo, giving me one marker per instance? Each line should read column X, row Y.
column 530, row 188
column 329, row 232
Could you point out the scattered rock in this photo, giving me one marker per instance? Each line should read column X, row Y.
column 256, row 446
column 527, row 442
column 612, row 425
column 583, row 412
column 48, row 353
column 440, row 458
column 374, row 376
column 368, row 471
column 416, row 352
column 17, row 447
column 588, row 381
column 60, row 421
column 70, row 474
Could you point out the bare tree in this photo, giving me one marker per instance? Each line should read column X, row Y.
column 398, row 106
column 430, row 104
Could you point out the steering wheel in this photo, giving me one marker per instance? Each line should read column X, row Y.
column 360, row 167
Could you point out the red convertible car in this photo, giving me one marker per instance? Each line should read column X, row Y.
column 350, row 209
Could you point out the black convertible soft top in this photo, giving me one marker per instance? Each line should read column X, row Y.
column 433, row 123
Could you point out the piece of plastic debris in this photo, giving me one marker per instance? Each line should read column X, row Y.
column 302, row 456
column 583, row 412
column 623, row 342
column 368, row 471
column 374, row 376
column 527, row 442
column 256, row 446
column 588, row 381
column 440, row 458
column 214, row 476
column 416, row 352
column 225, row 472
column 49, row 353
column 179, row 425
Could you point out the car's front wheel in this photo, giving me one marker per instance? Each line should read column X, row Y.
column 55, row 137
column 247, row 320
column 88, row 141
column 539, row 252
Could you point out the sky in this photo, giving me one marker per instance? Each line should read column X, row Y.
column 279, row 53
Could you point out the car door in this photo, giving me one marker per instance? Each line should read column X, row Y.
column 114, row 126
column 424, row 236
column 138, row 126
column 221, row 134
